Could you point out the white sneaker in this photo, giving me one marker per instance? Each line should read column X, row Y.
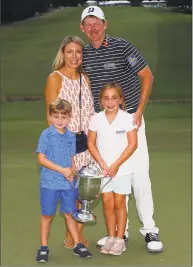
column 108, row 244
column 118, row 247
column 102, row 241
column 153, row 243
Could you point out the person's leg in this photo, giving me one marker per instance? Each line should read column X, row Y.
column 141, row 182
column 68, row 206
column 79, row 248
column 110, row 220
column 142, row 191
column 102, row 241
column 126, row 234
column 68, row 241
column 121, row 214
column 121, row 217
column 122, row 187
column 48, row 201
column 109, row 213
column 45, row 222
column 72, row 227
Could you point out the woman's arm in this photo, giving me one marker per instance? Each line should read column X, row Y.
column 52, row 89
column 128, row 151
column 91, row 103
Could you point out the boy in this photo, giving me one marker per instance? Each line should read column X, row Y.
column 56, row 149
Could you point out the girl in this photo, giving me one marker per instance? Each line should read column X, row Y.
column 112, row 139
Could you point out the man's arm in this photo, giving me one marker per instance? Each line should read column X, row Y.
column 146, row 79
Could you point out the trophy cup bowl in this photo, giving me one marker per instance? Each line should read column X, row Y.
column 89, row 179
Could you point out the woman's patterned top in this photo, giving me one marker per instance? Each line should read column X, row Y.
column 70, row 91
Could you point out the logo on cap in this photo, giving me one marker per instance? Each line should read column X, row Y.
column 94, row 11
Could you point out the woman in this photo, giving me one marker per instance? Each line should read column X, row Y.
column 65, row 83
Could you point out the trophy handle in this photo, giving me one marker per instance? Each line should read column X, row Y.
column 100, row 191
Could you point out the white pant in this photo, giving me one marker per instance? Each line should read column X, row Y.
column 142, row 185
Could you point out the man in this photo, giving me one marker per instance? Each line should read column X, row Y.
column 108, row 59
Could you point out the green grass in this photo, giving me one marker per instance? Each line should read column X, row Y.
column 169, row 138
column 29, row 48
column 164, row 38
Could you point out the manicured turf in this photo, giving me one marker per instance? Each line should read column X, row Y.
column 163, row 37
column 169, row 138
column 29, row 48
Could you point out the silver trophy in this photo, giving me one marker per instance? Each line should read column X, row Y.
column 89, row 183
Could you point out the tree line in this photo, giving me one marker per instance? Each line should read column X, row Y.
column 14, row 10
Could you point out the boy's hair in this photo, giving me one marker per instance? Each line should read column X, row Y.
column 60, row 106
column 119, row 90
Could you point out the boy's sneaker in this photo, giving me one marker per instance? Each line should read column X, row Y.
column 103, row 240
column 153, row 243
column 82, row 251
column 42, row 254
column 118, row 247
column 108, row 245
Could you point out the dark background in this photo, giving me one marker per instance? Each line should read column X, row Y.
column 15, row 10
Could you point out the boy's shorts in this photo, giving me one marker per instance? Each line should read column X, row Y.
column 49, row 200
column 120, row 184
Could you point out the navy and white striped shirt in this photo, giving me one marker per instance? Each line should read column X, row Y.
column 116, row 60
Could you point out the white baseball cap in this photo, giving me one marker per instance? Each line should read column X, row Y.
column 93, row 11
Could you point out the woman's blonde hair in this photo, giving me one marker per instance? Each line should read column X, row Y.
column 59, row 60
column 119, row 90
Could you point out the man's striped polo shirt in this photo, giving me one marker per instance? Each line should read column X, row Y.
column 117, row 60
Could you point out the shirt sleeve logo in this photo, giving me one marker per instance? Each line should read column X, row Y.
column 132, row 60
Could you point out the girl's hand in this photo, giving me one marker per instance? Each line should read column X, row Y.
column 104, row 168
column 113, row 169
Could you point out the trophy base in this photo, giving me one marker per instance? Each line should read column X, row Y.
column 83, row 217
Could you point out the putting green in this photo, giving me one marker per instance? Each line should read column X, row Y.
column 169, row 138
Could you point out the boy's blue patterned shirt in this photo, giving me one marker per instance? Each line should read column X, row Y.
column 58, row 148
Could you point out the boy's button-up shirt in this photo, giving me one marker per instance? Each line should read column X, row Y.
column 58, row 148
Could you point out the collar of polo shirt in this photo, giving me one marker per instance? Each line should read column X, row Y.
column 53, row 130
column 105, row 43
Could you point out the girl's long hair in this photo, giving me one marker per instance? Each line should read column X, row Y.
column 119, row 90
column 59, row 60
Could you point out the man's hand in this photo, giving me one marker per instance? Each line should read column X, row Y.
column 68, row 173
column 137, row 118
column 113, row 169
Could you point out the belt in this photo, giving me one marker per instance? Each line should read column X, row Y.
column 132, row 110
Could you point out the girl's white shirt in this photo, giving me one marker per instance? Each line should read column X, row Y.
column 112, row 138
